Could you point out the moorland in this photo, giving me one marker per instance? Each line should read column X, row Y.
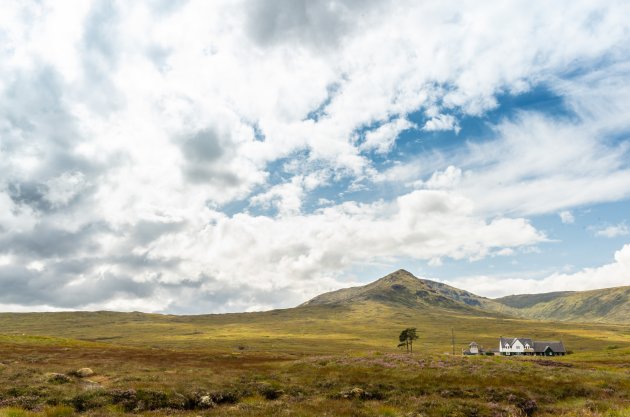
column 335, row 355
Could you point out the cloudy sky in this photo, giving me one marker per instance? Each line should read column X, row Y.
column 215, row 156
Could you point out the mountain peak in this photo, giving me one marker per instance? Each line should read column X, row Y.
column 401, row 275
column 400, row 288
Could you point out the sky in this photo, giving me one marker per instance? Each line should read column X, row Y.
column 219, row 156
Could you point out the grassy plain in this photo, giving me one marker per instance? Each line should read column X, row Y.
column 308, row 361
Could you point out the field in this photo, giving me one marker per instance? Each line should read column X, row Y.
column 310, row 361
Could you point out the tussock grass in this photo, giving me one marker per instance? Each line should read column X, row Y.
column 304, row 362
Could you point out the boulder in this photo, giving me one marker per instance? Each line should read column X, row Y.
column 206, row 402
column 357, row 392
column 353, row 393
column 84, row 372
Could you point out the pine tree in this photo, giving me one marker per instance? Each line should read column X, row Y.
column 407, row 337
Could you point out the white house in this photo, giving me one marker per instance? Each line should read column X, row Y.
column 515, row 346
column 524, row 346
column 473, row 349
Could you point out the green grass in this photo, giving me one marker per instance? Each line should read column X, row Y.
column 334, row 359
column 604, row 305
column 165, row 382
column 307, row 330
column 305, row 362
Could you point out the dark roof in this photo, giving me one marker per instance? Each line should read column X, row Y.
column 556, row 346
column 511, row 340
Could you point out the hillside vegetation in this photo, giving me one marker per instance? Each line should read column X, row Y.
column 367, row 317
column 401, row 288
column 529, row 300
column 335, row 355
column 610, row 305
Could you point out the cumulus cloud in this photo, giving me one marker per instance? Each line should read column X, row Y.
column 614, row 274
column 382, row 139
column 147, row 167
column 442, row 122
column 566, row 217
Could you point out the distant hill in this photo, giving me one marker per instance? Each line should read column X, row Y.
column 529, row 300
column 403, row 289
column 610, row 305
column 369, row 317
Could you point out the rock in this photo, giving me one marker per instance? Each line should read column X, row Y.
column 55, row 378
column 357, row 392
column 84, row 372
column 206, row 402
column 354, row 393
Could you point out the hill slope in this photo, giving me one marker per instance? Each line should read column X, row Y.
column 610, row 305
column 362, row 318
column 529, row 300
column 401, row 288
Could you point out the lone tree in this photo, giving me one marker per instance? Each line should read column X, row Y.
column 407, row 337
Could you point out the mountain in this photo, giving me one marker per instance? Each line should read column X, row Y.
column 367, row 318
column 401, row 288
column 529, row 300
column 605, row 305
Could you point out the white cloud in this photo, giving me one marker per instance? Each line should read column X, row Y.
column 447, row 179
column 285, row 197
column 610, row 275
column 289, row 251
column 442, row 122
column 64, row 188
column 566, row 217
column 382, row 139
column 123, row 136
column 616, row 230
column 535, row 165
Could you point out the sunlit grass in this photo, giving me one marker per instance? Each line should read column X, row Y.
column 304, row 362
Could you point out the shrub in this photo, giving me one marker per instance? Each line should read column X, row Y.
column 270, row 392
column 525, row 404
column 119, row 396
column 58, row 378
column 89, row 400
column 151, row 400
column 226, row 397
column 28, row 402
